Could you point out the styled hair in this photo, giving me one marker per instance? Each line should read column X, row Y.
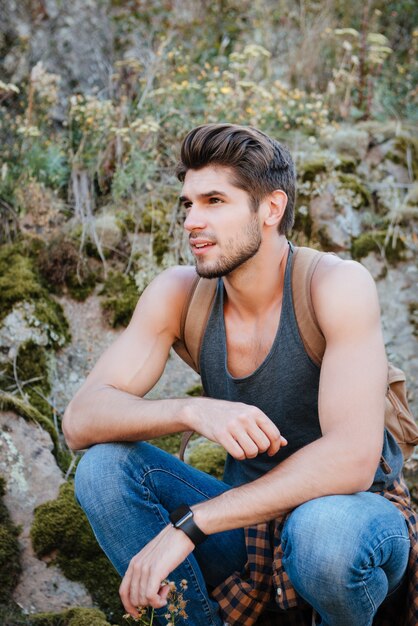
column 260, row 164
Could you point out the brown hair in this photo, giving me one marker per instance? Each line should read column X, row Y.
column 260, row 164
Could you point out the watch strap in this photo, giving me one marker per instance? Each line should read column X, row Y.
column 183, row 519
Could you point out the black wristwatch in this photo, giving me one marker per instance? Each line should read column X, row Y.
column 182, row 518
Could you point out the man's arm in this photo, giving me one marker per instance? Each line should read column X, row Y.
column 342, row 461
column 110, row 404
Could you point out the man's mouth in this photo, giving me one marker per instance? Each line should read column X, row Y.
column 198, row 243
column 201, row 245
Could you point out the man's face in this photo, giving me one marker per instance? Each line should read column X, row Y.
column 223, row 231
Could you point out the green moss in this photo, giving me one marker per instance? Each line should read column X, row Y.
column 62, row 266
column 28, row 412
column 303, row 222
column 196, row 391
column 12, row 615
column 71, row 617
column 310, row 169
column 10, row 567
column 208, row 457
column 120, row 298
column 18, row 281
column 374, row 241
column 60, row 530
column 169, row 443
column 160, row 245
column 347, row 165
column 405, row 152
column 352, row 182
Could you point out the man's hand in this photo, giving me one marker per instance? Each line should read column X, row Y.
column 242, row 429
column 141, row 585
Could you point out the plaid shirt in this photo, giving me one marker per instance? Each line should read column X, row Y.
column 244, row 597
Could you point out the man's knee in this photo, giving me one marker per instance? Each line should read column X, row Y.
column 332, row 541
column 100, row 472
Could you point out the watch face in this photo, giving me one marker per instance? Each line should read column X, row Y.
column 180, row 515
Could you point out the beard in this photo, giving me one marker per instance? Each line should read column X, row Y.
column 238, row 255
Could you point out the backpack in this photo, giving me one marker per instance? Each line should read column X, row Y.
column 398, row 417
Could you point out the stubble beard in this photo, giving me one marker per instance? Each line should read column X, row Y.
column 239, row 255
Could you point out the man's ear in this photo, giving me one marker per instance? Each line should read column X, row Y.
column 276, row 202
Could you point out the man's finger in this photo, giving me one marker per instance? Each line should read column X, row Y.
column 249, row 447
column 124, row 595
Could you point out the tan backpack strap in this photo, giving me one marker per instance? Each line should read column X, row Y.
column 194, row 318
column 197, row 317
column 305, row 262
column 185, row 438
column 179, row 345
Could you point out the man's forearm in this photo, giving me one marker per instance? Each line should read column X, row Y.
column 325, row 467
column 108, row 414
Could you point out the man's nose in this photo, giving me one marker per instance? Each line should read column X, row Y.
column 194, row 219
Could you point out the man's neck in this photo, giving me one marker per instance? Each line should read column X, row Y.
column 258, row 284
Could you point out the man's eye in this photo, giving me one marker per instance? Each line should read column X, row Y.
column 215, row 200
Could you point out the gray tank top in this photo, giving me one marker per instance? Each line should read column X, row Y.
column 285, row 386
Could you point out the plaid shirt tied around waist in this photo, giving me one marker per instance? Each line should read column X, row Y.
column 244, row 598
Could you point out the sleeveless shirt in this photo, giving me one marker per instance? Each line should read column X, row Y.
column 284, row 386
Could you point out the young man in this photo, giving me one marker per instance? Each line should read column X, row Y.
column 303, row 442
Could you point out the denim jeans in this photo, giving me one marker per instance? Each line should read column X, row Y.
column 343, row 554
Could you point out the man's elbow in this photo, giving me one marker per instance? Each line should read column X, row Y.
column 363, row 471
column 71, row 428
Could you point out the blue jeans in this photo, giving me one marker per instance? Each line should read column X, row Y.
column 343, row 554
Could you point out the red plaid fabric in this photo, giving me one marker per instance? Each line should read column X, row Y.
column 244, row 598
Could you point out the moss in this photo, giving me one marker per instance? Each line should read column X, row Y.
column 31, row 364
column 10, row 567
column 11, row 615
column 405, row 152
column 303, row 221
column 324, row 239
column 413, row 316
column 71, row 617
column 208, row 457
column 169, row 443
column 28, row 412
column 347, row 165
column 374, row 241
column 352, row 182
column 310, row 169
column 120, row 298
column 19, row 282
column 62, row 266
column 160, row 245
column 196, row 391
column 61, row 531
column 152, row 218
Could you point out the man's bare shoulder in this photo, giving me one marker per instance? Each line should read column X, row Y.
column 344, row 296
column 162, row 302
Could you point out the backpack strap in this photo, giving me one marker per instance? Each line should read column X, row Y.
column 194, row 318
column 305, row 262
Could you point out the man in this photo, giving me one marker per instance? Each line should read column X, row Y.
column 343, row 547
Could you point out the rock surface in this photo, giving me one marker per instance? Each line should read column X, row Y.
column 32, row 477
